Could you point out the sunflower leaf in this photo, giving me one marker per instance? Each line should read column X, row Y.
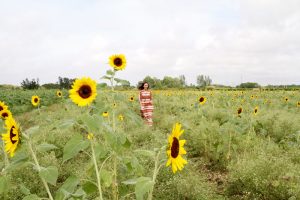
column 44, row 147
column 110, row 72
column 50, row 174
column 106, row 177
column 89, row 187
column 143, row 185
column 69, row 185
column 31, row 197
column 3, row 184
column 106, row 77
column 74, row 146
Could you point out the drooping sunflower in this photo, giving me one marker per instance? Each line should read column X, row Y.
column 4, row 114
column 35, row 100
column 105, row 114
column 12, row 137
column 239, row 111
column 83, row 92
column 255, row 111
column 202, row 100
column 59, row 93
column 118, row 62
column 176, row 149
column 3, row 106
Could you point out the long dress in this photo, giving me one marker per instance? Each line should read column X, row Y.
column 145, row 99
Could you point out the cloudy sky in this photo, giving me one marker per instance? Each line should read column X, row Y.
column 231, row 41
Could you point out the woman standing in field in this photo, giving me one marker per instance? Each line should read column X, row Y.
column 145, row 99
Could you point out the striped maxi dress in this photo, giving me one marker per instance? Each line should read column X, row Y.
column 145, row 99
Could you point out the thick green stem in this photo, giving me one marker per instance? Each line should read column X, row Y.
column 38, row 167
column 115, row 182
column 97, row 171
column 155, row 172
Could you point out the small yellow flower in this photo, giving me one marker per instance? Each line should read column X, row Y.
column 59, row 93
column 255, row 111
column 202, row 100
column 90, row 136
column 114, row 105
column 121, row 117
column 131, row 99
column 4, row 114
column 105, row 114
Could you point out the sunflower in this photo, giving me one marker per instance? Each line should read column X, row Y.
column 105, row 114
column 3, row 106
column 239, row 111
column 131, row 99
column 298, row 104
column 286, row 99
column 255, row 111
column 35, row 100
column 118, row 62
column 83, row 92
column 114, row 105
column 4, row 114
column 202, row 100
column 176, row 149
column 59, row 93
column 121, row 117
column 12, row 137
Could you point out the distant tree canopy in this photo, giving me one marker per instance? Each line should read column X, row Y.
column 166, row 82
column 203, row 81
column 65, row 83
column 248, row 85
column 30, row 85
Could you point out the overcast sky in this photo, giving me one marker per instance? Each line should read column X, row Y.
column 231, row 41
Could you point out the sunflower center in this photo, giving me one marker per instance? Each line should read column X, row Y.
column 1, row 108
column 175, row 148
column 118, row 62
column 5, row 114
column 36, row 100
column 12, row 135
column 85, row 91
column 255, row 110
column 201, row 99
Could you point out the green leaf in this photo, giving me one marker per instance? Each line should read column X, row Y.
column 66, row 124
column 3, row 185
column 147, row 153
column 24, row 189
column 32, row 130
column 106, row 77
column 44, row 147
column 69, row 186
column 130, row 181
column 106, row 177
column 50, row 174
column 31, row 197
column 92, row 122
column 143, row 185
column 89, row 187
column 74, row 146
column 110, row 72
column 100, row 151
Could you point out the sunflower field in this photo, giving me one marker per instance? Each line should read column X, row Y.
column 88, row 143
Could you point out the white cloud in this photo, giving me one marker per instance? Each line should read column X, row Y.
column 228, row 40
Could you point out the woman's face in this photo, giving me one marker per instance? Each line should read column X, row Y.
column 146, row 86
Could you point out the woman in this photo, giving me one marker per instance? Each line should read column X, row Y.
column 146, row 103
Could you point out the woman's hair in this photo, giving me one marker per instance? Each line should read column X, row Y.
column 141, row 87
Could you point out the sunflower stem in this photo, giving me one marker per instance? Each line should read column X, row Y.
column 97, row 171
column 155, row 172
column 115, row 183
column 5, row 156
column 38, row 166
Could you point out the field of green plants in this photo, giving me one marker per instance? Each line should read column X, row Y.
column 73, row 152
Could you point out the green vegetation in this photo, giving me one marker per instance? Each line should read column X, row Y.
column 230, row 156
